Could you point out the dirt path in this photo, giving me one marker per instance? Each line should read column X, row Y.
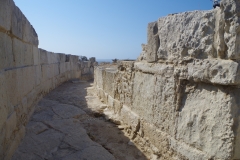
column 68, row 125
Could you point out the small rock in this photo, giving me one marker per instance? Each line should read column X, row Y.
column 121, row 127
column 130, row 143
column 107, row 117
column 117, row 122
column 103, row 106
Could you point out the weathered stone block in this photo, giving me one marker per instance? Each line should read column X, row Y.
column 108, row 82
column 28, row 80
column 204, row 120
column 130, row 118
column 153, row 42
column 29, row 33
column 36, row 55
column 92, row 59
column 28, row 54
column 13, row 87
column 46, row 72
column 98, row 76
column 52, row 57
column 55, row 69
column 6, row 53
column 3, row 101
column 144, row 96
column 62, row 57
column 6, row 8
column 86, row 70
column 43, row 56
column 74, row 59
column 11, row 123
column 15, row 143
column 67, row 66
column 38, row 75
column 62, row 68
column 23, row 54
column 17, row 22
column 228, row 41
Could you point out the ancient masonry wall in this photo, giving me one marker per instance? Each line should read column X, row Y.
column 26, row 74
column 180, row 99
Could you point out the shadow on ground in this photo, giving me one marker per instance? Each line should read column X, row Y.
column 68, row 125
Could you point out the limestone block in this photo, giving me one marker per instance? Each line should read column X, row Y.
column 2, row 145
column 187, row 151
column 55, row 69
column 28, row 80
column 108, row 82
column 62, row 67
column 67, row 58
column 6, row 8
column 74, row 59
column 95, row 63
column 37, row 75
column 62, row 57
column 29, row 33
column 3, row 101
column 52, row 57
column 6, row 53
column 47, row 72
column 17, row 22
column 11, row 125
column 27, row 54
column 67, row 66
column 91, row 70
column 187, row 34
column 163, row 112
column 99, row 76
column 144, row 96
column 153, row 42
column 36, row 55
column 204, row 120
column 15, row 143
column 14, row 87
column 110, row 101
column 117, row 106
column 159, row 69
column 22, row 53
column 50, row 70
column 43, row 56
column 236, row 121
column 158, row 141
column 130, row 118
column 230, row 33
column 31, row 100
column 92, row 59
column 86, row 70
column 86, row 64
column 224, row 72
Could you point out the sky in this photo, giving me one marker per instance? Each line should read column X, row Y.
column 104, row 29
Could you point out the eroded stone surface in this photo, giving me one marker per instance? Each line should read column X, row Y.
column 63, row 128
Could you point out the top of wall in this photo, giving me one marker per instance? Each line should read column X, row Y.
column 15, row 24
column 196, row 34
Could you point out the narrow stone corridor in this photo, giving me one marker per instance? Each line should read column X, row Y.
column 68, row 124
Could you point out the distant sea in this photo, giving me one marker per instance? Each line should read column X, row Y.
column 103, row 60
column 110, row 60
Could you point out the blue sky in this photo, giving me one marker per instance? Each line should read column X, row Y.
column 104, row 29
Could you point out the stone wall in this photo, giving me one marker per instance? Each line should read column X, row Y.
column 180, row 99
column 26, row 74
column 87, row 68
